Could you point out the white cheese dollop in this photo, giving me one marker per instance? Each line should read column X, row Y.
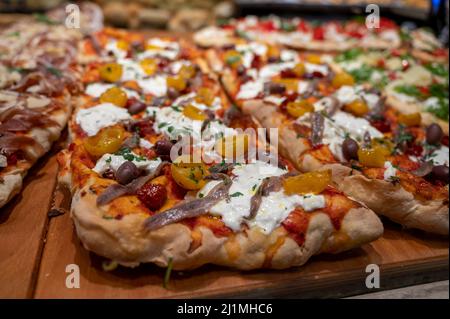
column 97, row 89
column 321, row 68
column 440, row 156
column 93, row 119
column 250, row 89
column 274, row 208
column 390, row 171
column 113, row 162
column 163, row 48
column 155, row 85
column 111, row 46
column 172, row 122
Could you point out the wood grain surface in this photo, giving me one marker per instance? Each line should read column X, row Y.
column 405, row 258
column 22, row 230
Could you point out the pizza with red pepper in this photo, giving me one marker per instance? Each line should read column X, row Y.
column 137, row 199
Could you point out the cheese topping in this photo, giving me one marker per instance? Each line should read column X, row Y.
column 113, row 162
column 97, row 89
column 93, row 119
column 155, row 85
column 172, row 122
column 250, row 89
column 390, row 171
column 440, row 156
column 274, row 208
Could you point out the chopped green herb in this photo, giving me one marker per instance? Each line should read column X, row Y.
column 168, row 272
column 200, row 195
column 286, row 26
column 108, row 160
column 13, row 34
column 406, row 89
column 161, row 125
column 43, row 18
column 437, row 69
column 348, row 55
column 242, row 34
column 54, row 71
column 254, row 187
column 170, row 129
column 232, row 59
column 237, row 194
column 363, row 74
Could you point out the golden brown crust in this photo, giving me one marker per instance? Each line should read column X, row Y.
column 126, row 241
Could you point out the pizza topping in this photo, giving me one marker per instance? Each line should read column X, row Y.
column 159, row 47
column 3, row 161
column 191, row 208
column 233, row 147
column 108, row 140
column 250, row 89
column 424, row 169
column 173, row 123
column 115, row 161
column 357, row 107
column 150, row 66
column 411, row 119
column 93, row 119
column 194, row 113
column 299, row 108
column 115, row 96
column 389, row 172
column 341, row 79
column 441, row 173
column 187, row 174
column 135, row 106
column 308, row 183
column 434, row 134
column 127, row 172
column 350, row 149
column 111, row 72
column 317, row 128
column 439, row 156
column 152, row 195
column 163, row 147
column 156, row 85
column 371, row 157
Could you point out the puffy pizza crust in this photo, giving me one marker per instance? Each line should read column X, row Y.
column 403, row 208
column 212, row 37
column 128, row 243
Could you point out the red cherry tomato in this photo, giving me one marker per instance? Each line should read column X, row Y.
column 319, row 33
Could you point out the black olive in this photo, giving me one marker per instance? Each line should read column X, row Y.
column 434, row 134
column 172, row 93
column 441, row 172
column 240, row 70
column 274, row 88
column 127, row 172
column 272, row 59
column 163, row 147
column 136, row 106
column 350, row 149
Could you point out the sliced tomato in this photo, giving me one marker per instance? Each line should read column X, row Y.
column 318, row 33
column 303, row 27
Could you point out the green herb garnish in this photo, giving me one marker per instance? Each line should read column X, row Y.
column 348, row 55
column 43, row 18
column 168, row 272
column 236, row 194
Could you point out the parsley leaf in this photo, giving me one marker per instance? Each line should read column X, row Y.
column 348, row 55
column 437, row 69
column 237, row 194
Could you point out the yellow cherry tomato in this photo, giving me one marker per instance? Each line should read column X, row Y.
column 342, row 79
column 149, row 66
column 308, row 183
column 273, row 51
column 290, row 83
column 111, row 72
column 384, row 145
column 313, row 58
column 298, row 108
column 299, row 69
column 233, row 147
column 412, row 119
column 187, row 174
column 107, row 140
column 372, row 157
column 205, row 96
column 187, row 71
column 193, row 113
column 176, row 82
column 123, row 45
column 358, row 107
column 115, row 96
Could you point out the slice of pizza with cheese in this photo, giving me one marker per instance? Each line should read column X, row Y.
column 377, row 155
column 136, row 199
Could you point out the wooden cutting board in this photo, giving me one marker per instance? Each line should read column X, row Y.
column 35, row 252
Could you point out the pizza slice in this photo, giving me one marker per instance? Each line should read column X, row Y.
column 136, row 199
column 377, row 155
